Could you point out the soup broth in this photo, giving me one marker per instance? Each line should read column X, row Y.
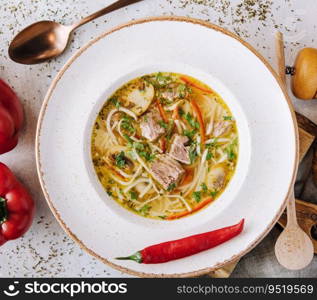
column 164, row 145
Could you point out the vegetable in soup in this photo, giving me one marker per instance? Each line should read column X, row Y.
column 165, row 145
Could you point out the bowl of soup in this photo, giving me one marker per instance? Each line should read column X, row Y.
column 145, row 138
column 164, row 145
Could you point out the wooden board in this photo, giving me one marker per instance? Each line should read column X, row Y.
column 307, row 133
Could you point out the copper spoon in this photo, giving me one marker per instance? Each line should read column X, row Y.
column 293, row 249
column 47, row 39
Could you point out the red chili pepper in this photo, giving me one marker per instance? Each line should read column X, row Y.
column 11, row 118
column 16, row 206
column 171, row 250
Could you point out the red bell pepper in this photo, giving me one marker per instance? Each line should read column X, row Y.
column 11, row 118
column 187, row 246
column 16, row 206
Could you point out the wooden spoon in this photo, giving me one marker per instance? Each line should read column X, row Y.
column 293, row 249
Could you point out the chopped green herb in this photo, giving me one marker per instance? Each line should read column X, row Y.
column 204, row 187
column 127, row 124
column 171, row 187
column 192, row 153
column 192, row 122
column 145, row 209
column 133, row 195
column 190, row 133
column 181, row 112
column 227, row 118
column 115, row 102
column 213, row 193
column 162, row 124
column 148, row 156
column 169, row 130
column 144, row 151
column 162, row 217
column 120, row 160
column 162, row 79
column 130, row 141
column 209, row 155
column 197, row 196
column 182, row 90
column 230, row 152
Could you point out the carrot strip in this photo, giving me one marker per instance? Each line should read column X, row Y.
column 189, row 174
column 196, row 208
column 162, row 142
column 195, row 85
column 162, row 111
column 175, row 114
column 200, row 121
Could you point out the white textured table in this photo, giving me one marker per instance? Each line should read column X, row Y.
column 46, row 250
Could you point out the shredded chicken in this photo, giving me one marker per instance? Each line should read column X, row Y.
column 178, row 150
column 150, row 125
column 166, row 171
column 221, row 128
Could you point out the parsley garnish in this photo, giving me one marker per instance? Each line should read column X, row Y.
column 120, row 160
column 162, row 79
column 197, row 196
column 144, row 151
column 189, row 133
column 145, row 209
column 209, row 155
column 115, row 102
column 182, row 90
column 230, row 151
column 169, row 130
column 213, row 193
column 133, row 195
column 192, row 153
column 130, row 141
column 162, row 124
column 204, row 187
column 127, row 124
column 192, row 122
column 227, row 118
column 181, row 112
column 171, row 187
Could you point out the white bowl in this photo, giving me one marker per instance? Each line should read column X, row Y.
column 267, row 131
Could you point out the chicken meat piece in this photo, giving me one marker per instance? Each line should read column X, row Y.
column 167, row 171
column 150, row 125
column 178, row 150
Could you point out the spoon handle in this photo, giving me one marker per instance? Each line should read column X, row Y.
column 279, row 40
column 112, row 7
column 291, row 209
